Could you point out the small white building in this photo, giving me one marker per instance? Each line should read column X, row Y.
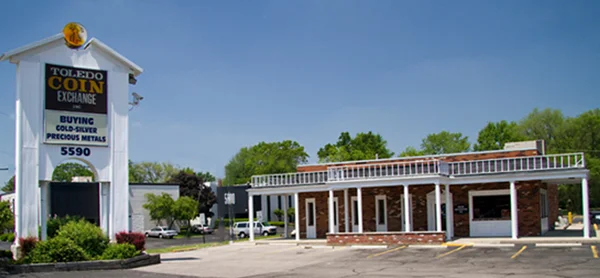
column 139, row 218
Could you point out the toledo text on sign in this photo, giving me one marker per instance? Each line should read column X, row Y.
column 76, row 106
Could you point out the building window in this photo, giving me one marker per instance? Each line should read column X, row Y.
column 381, row 212
column 335, row 221
column 496, row 207
column 311, row 214
column 544, row 203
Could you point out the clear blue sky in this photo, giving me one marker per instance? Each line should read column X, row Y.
column 226, row 74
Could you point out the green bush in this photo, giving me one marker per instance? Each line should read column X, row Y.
column 54, row 224
column 86, row 235
column 6, row 254
column 8, row 237
column 54, row 250
column 119, row 252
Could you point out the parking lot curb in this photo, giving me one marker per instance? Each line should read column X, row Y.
column 428, row 246
column 558, row 244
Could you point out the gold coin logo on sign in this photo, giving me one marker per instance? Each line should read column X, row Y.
column 75, row 35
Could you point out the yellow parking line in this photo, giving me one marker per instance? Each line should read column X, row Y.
column 594, row 251
column 519, row 252
column 455, row 250
column 385, row 252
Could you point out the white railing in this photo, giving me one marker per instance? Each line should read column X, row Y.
column 302, row 178
column 517, row 164
column 387, row 170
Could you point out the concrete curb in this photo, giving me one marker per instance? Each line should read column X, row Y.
column 142, row 260
column 558, row 244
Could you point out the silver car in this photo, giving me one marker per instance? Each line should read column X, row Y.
column 161, row 232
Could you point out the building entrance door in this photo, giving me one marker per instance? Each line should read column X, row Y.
column 311, row 220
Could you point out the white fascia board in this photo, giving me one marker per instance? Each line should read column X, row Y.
column 29, row 47
column 94, row 42
column 525, row 176
column 388, row 182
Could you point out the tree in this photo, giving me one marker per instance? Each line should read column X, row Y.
column 264, row 158
column 411, row 151
column 278, row 213
column 206, row 176
column 160, row 207
column 290, row 214
column 547, row 125
column 494, row 135
column 154, row 172
column 185, row 209
column 135, row 173
column 9, row 186
column 445, row 142
column 7, row 219
column 192, row 186
column 66, row 171
column 362, row 146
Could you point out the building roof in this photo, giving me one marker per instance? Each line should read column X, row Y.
column 93, row 42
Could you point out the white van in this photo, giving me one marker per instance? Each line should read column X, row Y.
column 241, row 229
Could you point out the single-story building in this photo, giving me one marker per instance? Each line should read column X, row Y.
column 139, row 217
column 429, row 199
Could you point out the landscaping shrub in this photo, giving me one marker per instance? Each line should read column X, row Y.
column 27, row 244
column 119, row 252
column 137, row 239
column 6, row 254
column 8, row 237
column 58, row 249
column 86, row 235
column 54, row 224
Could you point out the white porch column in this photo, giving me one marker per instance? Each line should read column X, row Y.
column 263, row 207
column 105, row 207
column 360, row 209
column 407, row 208
column 514, row 221
column 438, row 208
column 586, row 207
column 44, row 209
column 330, row 220
column 449, row 222
column 251, row 216
column 285, row 216
column 346, row 224
column 297, row 215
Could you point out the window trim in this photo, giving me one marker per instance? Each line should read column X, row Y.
column 377, row 216
column 476, row 193
column 544, row 206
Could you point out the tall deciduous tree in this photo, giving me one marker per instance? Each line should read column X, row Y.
column 547, row 125
column 152, row 172
column 206, row 176
column 7, row 219
column 9, row 186
column 185, row 209
column 362, row 146
column 445, row 142
column 411, row 151
column 264, row 158
column 160, row 207
column 192, row 186
column 66, row 171
column 494, row 135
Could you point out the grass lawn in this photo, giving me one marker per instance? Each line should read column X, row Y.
column 185, row 236
column 190, row 247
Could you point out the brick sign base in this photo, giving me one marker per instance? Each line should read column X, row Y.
column 387, row 238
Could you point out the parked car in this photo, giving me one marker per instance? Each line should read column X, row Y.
column 595, row 217
column 161, row 232
column 241, row 229
column 202, row 229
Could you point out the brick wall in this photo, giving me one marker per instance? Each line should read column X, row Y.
column 392, row 238
column 552, row 205
column 528, row 198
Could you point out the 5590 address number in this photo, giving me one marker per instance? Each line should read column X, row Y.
column 75, row 151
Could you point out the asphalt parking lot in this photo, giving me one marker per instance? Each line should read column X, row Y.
column 245, row 260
